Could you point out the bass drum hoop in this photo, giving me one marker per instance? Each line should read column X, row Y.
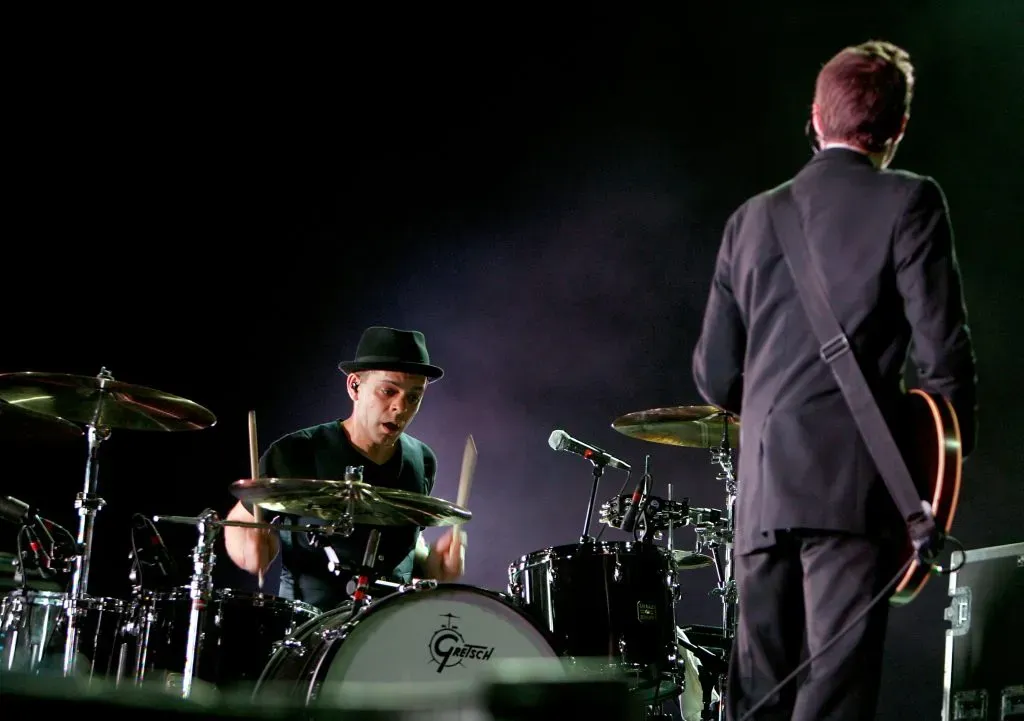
column 333, row 635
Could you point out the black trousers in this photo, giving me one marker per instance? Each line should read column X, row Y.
column 793, row 598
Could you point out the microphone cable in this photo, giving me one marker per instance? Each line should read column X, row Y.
column 882, row 595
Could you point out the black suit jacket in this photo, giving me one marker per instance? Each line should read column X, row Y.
column 885, row 245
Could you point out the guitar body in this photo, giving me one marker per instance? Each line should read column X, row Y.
column 936, row 466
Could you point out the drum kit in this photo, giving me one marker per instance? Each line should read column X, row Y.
column 606, row 607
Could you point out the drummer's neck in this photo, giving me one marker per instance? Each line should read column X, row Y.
column 379, row 453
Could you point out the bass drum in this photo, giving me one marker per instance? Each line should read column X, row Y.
column 423, row 633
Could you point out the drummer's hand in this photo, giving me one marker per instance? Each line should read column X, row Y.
column 261, row 549
column 447, row 559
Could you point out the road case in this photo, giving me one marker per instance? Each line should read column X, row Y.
column 984, row 661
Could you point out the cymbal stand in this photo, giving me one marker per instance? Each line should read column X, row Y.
column 724, row 536
column 200, row 589
column 88, row 504
column 722, row 456
column 361, row 593
column 204, row 558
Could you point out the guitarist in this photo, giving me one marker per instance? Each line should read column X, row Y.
column 816, row 529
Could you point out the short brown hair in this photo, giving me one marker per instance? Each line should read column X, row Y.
column 863, row 93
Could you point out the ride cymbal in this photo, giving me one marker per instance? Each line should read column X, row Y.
column 330, row 500
column 102, row 401
column 689, row 426
column 25, row 425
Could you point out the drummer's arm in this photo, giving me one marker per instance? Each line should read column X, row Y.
column 247, row 547
column 419, row 558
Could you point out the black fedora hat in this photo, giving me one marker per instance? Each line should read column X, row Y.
column 383, row 348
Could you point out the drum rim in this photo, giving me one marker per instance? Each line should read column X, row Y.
column 31, row 593
column 183, row 592
column 568, row 551
column 32, row 597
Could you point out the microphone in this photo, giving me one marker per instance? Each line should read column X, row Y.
column 629, row 517
column 812, row 137
column 562, row 441
column 15, row 511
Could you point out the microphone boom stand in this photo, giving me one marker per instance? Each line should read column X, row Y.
column 598, row 471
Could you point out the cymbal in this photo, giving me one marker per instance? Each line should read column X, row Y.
column 329, row 500
column 686, row 560
column 102, row 401
column 690, row 426
column 23, row 424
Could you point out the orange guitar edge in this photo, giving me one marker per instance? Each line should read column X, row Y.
column 940, row 467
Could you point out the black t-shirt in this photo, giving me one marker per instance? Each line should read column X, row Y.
column 323, row 452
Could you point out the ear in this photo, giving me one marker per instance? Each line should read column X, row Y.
column 816, row 119
column 352, row 385
column 903, row 128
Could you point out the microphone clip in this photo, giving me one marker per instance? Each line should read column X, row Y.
column 637, row 504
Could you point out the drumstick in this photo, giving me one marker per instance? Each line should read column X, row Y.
column 465, row 483
column 254, row 473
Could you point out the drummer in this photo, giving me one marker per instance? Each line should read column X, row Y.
column 386, row 382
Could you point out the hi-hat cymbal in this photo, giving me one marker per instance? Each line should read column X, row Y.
column 690, row 426
column 331, row 500
column 685, row 560
column 25, row 425
column 102, row 401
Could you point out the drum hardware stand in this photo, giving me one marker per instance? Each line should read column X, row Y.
column 642, row 501
column 344, row 526
column 722, row 456
column 361, row 592
column 88, row 504
column 722, row 534
column 201, row 587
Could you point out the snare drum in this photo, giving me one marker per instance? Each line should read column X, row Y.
column 34, row 626
column 606, row 603
column 426, row 633
column 238, row 636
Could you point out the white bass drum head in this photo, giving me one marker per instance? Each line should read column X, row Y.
column 449, row 633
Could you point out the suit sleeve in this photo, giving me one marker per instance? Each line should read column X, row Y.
column 721, row 346
column 928, row 277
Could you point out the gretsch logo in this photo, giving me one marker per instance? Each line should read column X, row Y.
column 448, row 648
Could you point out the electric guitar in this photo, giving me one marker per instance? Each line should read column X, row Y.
column 936, row 465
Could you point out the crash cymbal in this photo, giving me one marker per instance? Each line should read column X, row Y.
column 102, row 401
column 330, row 500
column 686, row 560
column 24, row 425
column 690, row 426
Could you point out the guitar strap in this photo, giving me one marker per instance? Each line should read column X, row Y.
column 836, row 351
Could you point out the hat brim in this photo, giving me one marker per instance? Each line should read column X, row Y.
column 421, row 369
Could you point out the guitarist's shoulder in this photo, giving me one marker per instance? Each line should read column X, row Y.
column 919, row 189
